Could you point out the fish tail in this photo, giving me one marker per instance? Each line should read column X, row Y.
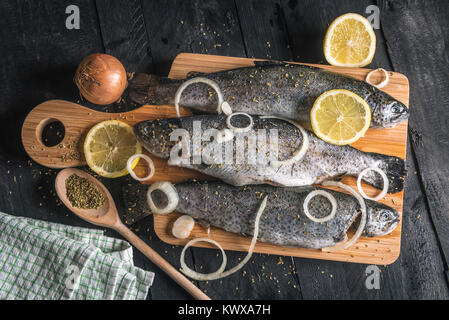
column 151, row 89
column 395, row 170
column 134, row 201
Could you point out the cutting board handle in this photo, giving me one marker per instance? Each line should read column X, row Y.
column 77, row 121
column 65, row 154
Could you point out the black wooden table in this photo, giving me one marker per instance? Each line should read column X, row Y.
column 39, row 56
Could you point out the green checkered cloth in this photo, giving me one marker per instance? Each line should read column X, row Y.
column 42, row 260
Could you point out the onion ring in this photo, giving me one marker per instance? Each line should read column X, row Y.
column 202, row 276
column 384, row 177
column 381, row 84
column 325, row 194
column 169, row 190
column 150, row 167
column 220, row 273
column 298, row 154
column 239, row 130
column 223, row 106
column 362, row 224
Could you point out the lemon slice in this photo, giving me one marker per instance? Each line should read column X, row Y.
column 340, row 117
column 108, row 146
column 350, row 41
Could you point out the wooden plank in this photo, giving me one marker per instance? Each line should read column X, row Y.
column 194, row 26
column 405, row 278
column 124, row 34
column 426, row 63
column 39, row 59
column 384, row 250
column 421, row 262
column 263, row 29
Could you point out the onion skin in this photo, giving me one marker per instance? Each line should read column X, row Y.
column 101, row 78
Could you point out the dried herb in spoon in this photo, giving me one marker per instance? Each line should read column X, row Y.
column 83, row 194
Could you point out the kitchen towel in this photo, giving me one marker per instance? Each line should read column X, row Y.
column 42, row 260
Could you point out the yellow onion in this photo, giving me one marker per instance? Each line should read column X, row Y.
column 101, row 78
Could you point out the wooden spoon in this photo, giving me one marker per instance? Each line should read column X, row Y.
column 107, row 216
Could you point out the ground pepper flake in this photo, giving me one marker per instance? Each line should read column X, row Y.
column 83, row 194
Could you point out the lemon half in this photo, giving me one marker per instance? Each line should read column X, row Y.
column 108, row 146
column 350, row 41
column 340, row 117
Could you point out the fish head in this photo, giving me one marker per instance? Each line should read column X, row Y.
column 381, row 220
column 389, row 112
column 155, row 135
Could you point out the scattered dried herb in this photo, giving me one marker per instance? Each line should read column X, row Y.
column 83, row 194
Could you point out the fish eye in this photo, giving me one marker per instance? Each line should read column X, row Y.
column 396, row 109
column 384, row 216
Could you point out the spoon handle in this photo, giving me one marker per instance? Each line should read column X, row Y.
column 160, row 262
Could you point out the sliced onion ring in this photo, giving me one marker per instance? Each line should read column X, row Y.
column 202, row 276
column 223, row 106
column 240, row 130
column 150, row 163
column 298, row 154
column 362, row 224
column 381, row 84
column 172, row 195
column 220, row 273
column 384, row 177
column 325, row 194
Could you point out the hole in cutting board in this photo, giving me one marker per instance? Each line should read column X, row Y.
column 53, row 133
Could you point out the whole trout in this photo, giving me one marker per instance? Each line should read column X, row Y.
column 283, row 221
column 322, row 161
column 279, row 89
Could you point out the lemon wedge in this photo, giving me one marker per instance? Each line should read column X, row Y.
column 108, row 146
column 350, row 41
column 340, row 117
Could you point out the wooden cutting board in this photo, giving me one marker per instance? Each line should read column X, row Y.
column 77, row 120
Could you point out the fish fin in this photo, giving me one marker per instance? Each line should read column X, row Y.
column 271, row 183
column 269, row 63
column 337, row 177
column 142, row 88
column 203, row 223
column 302, row 189
column 194, row 74
column 341, row 240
